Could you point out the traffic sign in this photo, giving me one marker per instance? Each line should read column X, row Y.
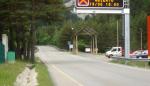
column 83, row 3
column 99, row 3
column 109, row 7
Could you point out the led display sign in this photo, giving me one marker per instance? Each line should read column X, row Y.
column 99, row 3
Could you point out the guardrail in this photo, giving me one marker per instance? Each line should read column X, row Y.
column 132, row 59
column 146, row 60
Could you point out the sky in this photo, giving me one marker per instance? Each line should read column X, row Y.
column 71, row 3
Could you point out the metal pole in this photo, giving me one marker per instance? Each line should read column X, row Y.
column 123, row 32
column 127, row 34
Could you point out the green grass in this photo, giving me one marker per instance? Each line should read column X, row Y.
column 140, row 64
column 9, row 72
column 44, row 78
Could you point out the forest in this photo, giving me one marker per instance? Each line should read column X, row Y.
column 50, row 22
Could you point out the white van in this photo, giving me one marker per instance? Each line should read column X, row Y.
column 114, row 52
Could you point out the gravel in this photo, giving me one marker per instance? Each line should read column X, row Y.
column 27, row 78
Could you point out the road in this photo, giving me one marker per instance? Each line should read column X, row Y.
column 67, row 69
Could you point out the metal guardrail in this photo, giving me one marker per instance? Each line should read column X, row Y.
column 127, row 60
column 132, row 59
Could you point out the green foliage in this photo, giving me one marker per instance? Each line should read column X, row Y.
column 138, row 24
column 65, row 35
column 55, row 39
column 19, row 17
column 54, row 22
column 42, row 36
column 82, row 44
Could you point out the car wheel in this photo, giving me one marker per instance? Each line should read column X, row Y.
column 110, row 56
column 140, row 57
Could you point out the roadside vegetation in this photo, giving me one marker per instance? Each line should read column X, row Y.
column 105, row 25
column 9, row 72
column 43, row 78
column 140, row 64
column 20, row 20
column 53, row 22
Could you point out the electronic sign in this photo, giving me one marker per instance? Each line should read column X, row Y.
column 99, row 3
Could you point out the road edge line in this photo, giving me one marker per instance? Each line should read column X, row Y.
column 69, row 77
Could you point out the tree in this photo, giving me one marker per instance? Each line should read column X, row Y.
column 19, row 19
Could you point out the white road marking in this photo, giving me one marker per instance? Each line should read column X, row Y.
column 66, row 75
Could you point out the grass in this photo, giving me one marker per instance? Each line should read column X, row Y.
column 9, row 72
column 43, row 75
column 140, row 64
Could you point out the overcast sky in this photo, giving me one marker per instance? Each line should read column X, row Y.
column 71, row 3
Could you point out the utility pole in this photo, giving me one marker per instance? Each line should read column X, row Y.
column 141, row 38
column 117, row 34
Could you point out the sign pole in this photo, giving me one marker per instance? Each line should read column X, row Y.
column 127, row 34
column 148, row 35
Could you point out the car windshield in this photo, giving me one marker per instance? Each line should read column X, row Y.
column 114, row 49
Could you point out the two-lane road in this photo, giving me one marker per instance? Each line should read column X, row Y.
column 73, row 70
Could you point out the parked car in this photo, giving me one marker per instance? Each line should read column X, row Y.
column 114, row 52
column 144, row 54
column 135, row 53
column 139, row 54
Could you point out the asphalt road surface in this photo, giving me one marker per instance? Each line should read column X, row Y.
column 67, row 69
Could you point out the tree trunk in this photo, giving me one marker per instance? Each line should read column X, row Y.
column 33, row 32
column 28, row 50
